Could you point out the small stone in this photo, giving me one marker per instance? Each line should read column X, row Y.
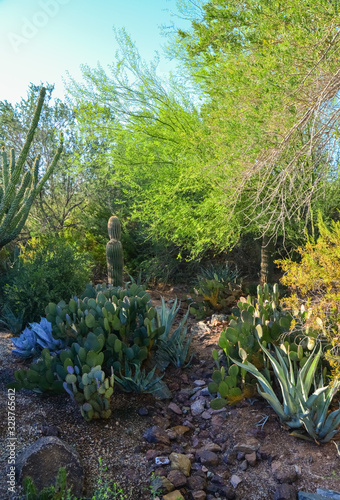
column 229, row 458
column 251, row 458
column 283, row 473
column 180, row 429
column 173, row 495
column 175, row 408
column 200, row 329
column 177, row 478
column 156, row 435
column 218, row 420
column 206, row 415
column 235, row 481
column 217, row 479
column 285, row 492
column 180, row 462
column 171, row 434
column 197, row 482
column 240, row 456
column 162, row 461
column 199, row 495
column 151, row 454
column 244, row 465
column 50, row 430
column 200, row 383
column 248, row 446
column 208, row 458
column 143, row 412
column 329, row 493
column 229, row 493
column 197, row 408
column 165, row 483
column 211, row 447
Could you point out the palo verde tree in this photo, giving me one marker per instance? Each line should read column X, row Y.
column 20, row 185
column 158, row 149
column 270, row 74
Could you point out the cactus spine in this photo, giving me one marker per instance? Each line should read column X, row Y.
column 114, row 253
column 16, row 197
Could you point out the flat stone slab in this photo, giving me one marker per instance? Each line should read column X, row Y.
column 43, row 459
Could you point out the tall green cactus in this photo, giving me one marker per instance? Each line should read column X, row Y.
column 16, row 197
column 114, row 253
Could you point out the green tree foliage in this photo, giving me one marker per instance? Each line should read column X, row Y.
column 270, row 74
column 158, row 149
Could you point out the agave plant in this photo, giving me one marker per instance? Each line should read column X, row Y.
column 138, row 382
column 299, row 408
column 321, row 425
column 173, row 348
column 35, row 338
column 295, row 389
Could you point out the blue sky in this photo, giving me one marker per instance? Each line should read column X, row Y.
column 41, row 39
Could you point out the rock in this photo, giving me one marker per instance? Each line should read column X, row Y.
column 200, row 329
column 155, row 434
column 235, row 481
column 175, row 408
column 266, row 451
column 198, row 495
column 198, row 407
column 172, row 434
column 244, row 465
column 162, row 461
column 180, row 462
column 210, row 447
column 248, row 446
column 208, row 458
column 173, row 495
column 240, row 456
column 328, row 493
column 50, row 430
column 311, row 496
column 197, row 482
column 156, row 483
column 43, row 459
column 229, row 458
column 177, row 478
column 217, row 420
column 285, row 492
column 217, row 319
column 143, row 412
column 206, row 415
column 251, row 458
column 199, row 383
column 165, row 483
column 229, row 493
column 180, row 429
column 284, row 473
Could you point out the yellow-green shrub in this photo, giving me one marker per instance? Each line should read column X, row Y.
column 315, row 283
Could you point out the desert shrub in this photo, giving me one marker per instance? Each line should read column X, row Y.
column 48, row 271
column 218, row 286
column 315, row 285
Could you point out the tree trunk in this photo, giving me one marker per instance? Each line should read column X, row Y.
column 267, row 265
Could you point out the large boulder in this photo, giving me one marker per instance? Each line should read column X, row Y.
column 43, row 459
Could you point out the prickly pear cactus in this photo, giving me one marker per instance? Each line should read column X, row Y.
column 114, row 253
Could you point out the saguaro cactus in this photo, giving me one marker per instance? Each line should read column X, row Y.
column 16, row 198
column 114, row 253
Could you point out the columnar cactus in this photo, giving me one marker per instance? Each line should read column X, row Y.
column 16, row 197
column 114, row 253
